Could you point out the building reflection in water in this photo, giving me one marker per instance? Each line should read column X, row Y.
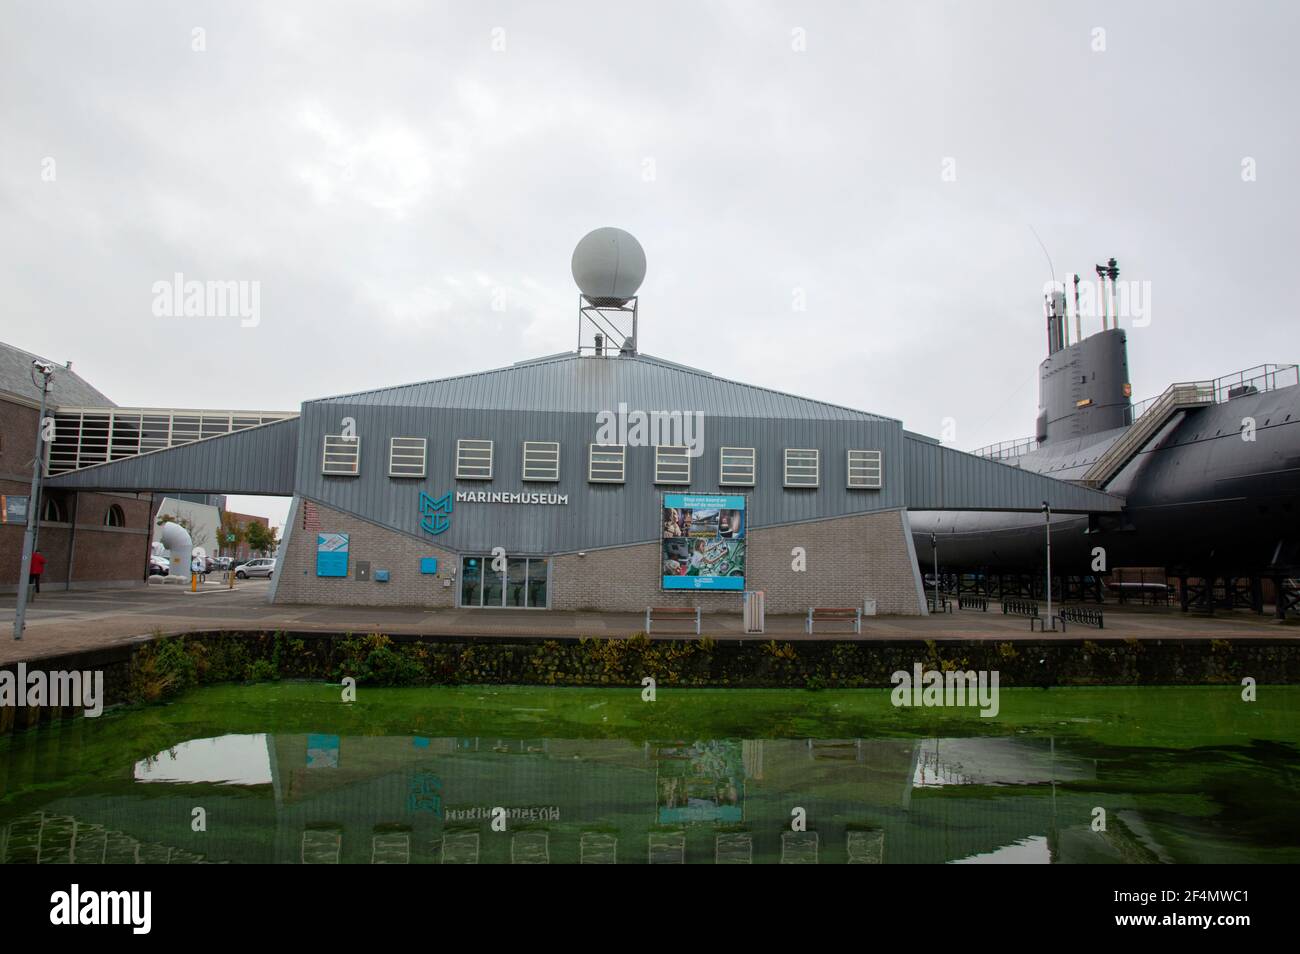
column 329, row 799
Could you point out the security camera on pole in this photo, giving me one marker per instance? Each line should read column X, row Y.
column 46, row 371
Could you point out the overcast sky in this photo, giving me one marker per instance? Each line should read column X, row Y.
column 388, row 172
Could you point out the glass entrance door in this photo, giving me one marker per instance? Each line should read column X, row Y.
column 471, row 581
column 516, row 582
column 521, row 585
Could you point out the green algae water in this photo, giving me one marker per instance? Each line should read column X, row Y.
column 286, row 773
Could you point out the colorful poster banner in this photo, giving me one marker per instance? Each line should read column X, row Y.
column 703, row 541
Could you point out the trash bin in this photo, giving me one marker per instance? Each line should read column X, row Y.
column 868, row 607
column 755, row 610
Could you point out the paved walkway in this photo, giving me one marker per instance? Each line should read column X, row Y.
column 61, row 622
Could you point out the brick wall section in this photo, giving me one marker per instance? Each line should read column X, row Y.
column 397, row 553
column 849, row 559
column 103, row 555
column 17, row 438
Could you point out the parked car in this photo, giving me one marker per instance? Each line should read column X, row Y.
column 262, row 567
column 158, row 566
column 222, row 563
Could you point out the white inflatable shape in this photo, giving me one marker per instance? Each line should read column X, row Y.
column 179, row 548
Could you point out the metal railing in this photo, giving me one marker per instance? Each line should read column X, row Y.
column 1256, row 380
column 1006, row 450
column 1177, row 397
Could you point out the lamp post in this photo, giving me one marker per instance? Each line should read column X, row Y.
column 934, row 546
column 1047, row 514
column 46, row 371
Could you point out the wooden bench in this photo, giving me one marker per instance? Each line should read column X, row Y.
column 672, row 614
column 835, row 614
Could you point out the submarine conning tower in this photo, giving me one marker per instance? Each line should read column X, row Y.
column 1083, row 388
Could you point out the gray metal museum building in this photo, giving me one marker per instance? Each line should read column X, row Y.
column 598, row 479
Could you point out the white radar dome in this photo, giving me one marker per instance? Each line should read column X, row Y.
column 609, row 266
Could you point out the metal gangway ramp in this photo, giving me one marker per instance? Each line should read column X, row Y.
column 1175, row 399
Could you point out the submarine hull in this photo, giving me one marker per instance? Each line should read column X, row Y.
column 1199, row 498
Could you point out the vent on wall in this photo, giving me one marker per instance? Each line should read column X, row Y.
column 406, row 456
column 736, row 466
column 672, row 465
column 473, row 459
column 542, row 460
column 864, row 470
column 802, row 467
column 606, row 463
column 341, row 456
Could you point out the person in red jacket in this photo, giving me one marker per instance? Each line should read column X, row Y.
column 38, row 567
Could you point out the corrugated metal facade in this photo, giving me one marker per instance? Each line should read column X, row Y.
column 558, row 399
column 940, row 478
column 596, row 514
column 259, row 460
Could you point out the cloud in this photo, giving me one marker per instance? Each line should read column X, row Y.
column 408, row 194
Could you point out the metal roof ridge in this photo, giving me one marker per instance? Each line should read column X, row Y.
column 567, row 356
column 556, row 358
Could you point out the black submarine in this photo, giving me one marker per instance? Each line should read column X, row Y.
column 1209, row 472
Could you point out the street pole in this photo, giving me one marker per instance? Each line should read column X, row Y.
column 934, row 545
column 1047, row 512
column 46, row 371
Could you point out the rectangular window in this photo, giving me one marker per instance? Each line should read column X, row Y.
column 406, row 456
column 342, row 456
column 802, row 468
column 736, row 466
column 672, row 465
column 864, row 470
column 542, row 460
column 606, row 463
column 473, row 459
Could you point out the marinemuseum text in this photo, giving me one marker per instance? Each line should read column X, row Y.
column 484, row 496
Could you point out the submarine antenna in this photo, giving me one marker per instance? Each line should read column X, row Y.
column 1053, row 344
column 1101, row 282
column 1078, row 328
